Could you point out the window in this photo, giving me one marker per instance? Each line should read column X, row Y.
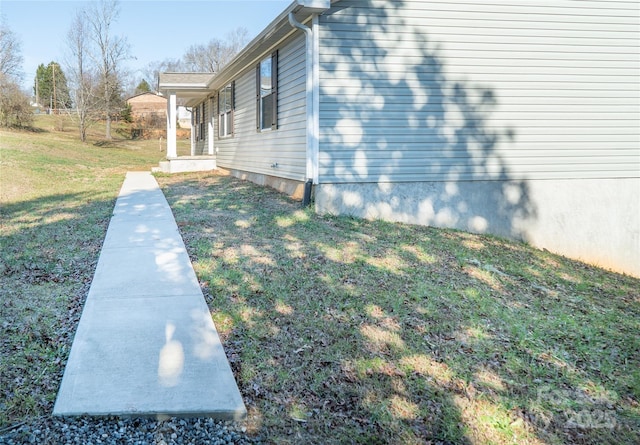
column 198, row 119
column 195, row 120
column 202, row 119
column 267, row 93
column 225, row 110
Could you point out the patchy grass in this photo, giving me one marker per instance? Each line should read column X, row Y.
column 348, row 331
column 339, row 330
column 56, row 196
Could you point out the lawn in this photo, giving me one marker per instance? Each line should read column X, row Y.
column 338, row 330
column 56, row 197
column 348, row 331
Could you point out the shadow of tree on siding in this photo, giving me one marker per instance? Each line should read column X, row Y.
column 441, row 146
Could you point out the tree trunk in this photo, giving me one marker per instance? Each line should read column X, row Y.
column 108, row 134
column 82, row 125
column 107, row 103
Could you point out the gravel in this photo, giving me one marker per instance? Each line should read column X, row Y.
column 137, row 431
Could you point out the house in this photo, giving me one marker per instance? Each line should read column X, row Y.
column 519, row 119
column 149, row 106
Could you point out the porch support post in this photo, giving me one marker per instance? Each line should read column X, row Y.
column 172, row 151
column 193, row 131
column 210, row 129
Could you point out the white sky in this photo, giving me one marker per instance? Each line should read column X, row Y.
column 155, row 29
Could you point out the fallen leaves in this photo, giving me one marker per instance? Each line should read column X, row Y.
column 378, row 348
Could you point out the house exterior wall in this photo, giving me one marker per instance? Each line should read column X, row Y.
column 519, row 119
column 281, row 152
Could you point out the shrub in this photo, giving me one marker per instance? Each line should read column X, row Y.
column 15, row 109
column 125, row 114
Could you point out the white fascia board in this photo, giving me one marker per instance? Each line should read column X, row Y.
column 314, row 6
column 182, row 86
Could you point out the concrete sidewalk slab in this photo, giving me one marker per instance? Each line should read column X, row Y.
column 128, row 234
column 144, row 271
column 143, row 207
column 146, row 344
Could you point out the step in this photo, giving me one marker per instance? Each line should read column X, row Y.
column 186, row 164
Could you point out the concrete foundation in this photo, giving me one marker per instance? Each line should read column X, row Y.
column 290, row 187
column 185, row 164
column 596, row 220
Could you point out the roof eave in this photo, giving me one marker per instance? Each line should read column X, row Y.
column 277, row 30
column 270, row 36
column 184, row 82
column 143, row 93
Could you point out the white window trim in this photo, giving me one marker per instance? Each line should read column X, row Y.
column 274, row 92
column 226, row 117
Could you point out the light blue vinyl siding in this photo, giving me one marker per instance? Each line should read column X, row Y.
column 449, row 90
column 256, row 152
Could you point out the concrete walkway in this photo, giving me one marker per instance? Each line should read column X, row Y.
column 146, row 344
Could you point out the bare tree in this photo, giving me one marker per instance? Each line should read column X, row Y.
column 203, row 58
column 81, row 76
column 236, row 40
column 109, row 51
column 213, row 56
column 10, row 53
column 153, row 69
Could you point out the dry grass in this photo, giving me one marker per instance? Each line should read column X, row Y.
column 56, row 196
column 347, row 331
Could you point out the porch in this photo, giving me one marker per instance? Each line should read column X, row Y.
column 188, row 89
column 183, row 164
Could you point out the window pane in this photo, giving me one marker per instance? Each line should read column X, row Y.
column 227, row 99
column 267, row 111
column 226, row 102
column 265, row 77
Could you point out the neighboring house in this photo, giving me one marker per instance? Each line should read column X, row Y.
column 519, row 119
column 152, row 106
column 148, row 106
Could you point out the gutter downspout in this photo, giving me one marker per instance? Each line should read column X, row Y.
column 312, row 100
